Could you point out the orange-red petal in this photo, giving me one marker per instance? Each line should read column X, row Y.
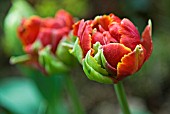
column 29, row 29
column 114, row 31
column 129, row 34
column 97, row 37
column 65, row 17
column 84, row 31
column 115, row 18
column 113, row 53
column 85, row 39
column 52, row 23
column 147, row 40
column 76, row 27
column 105, row 21
column 52, row 37
column 104, row 38
column 131, row 62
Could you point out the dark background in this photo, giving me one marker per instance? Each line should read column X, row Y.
column 148, row 89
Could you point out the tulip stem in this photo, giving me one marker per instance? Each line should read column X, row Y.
column 121, row 97
column 74, row 96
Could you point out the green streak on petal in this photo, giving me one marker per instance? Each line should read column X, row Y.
column 77, row 51
column 96, row 47
column 97, row 57
column 93, row 63
column 97, row 52
column 94, row 71
column 138, row 51
column 95, row 76
column 103, row 59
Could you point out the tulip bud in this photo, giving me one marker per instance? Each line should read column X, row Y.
column 41, row 38
column 110, row 48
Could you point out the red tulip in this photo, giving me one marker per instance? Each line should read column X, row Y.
column 29, row 29
column 124, row 50
column 37, row 33
column 48, row 31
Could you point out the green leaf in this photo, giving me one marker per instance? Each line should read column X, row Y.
column 20, row 9
column 94, row 71
column 21, row 96
column 77, row 51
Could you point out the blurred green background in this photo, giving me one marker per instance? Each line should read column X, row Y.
column 148, row 90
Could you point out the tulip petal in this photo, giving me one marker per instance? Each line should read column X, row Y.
column 103, row 38
column 147, row 39
column 76, row 27
column 77, row 51
column 94, row 71
column 115, row 18
column 96, row 48
column 105, row 21
column 129, row 34
column 52, row 23
column 29, row 29
column 97, row 37
column 107, row 38
column 114, row 29
column 98, row 55
column 131, row 62
column 84, row 31
column 103, row 60
column 65, row 17
column 81, row 27
column 113, row 53
column 85, row 40
column 94, row 64
column 52, row 37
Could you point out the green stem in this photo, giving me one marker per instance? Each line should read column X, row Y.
column 122, row 98
column 74, row 96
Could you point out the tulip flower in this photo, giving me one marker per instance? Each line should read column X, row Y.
column 40, row 38
column 48, row 31
column 111, row 48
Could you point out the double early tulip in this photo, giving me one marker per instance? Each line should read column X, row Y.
column 111, row 48
column 41, row 36
column 48, row 31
